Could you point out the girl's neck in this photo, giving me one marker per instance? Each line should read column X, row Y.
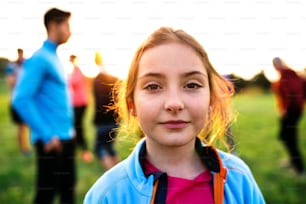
column 181, row 162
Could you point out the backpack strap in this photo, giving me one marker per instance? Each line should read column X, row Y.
column 211, row 158
column 219, row 179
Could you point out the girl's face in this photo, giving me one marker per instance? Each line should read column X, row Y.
column 172, row 94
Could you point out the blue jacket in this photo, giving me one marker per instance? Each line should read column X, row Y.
column 41, row 96
column 126, row 182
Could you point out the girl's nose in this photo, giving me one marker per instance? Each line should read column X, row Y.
column 174, row 102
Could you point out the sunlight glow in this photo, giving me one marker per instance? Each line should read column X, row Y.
column 240, row 37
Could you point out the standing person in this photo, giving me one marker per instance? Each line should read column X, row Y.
column 104, row 119
column 42, row 99
column 78, row 91
column 290, row 102
column 12, row 72
column 177, row 99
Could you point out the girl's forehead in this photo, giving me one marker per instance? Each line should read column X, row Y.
column 173, row 47
column 173, row 56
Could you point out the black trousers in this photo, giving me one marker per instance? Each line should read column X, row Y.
column 79, row 113
column 289, row 136
column 55, row 174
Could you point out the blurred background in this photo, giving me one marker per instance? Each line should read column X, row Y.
column 240, row 37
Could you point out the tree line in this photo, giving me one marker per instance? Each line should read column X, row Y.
column 259, row 80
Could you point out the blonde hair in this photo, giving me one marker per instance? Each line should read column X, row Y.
column 221, row 89
column 98, row 58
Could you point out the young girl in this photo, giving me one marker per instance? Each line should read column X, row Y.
column 181, row 105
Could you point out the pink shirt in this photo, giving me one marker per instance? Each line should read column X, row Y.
column 186, row 191
column 77, row 86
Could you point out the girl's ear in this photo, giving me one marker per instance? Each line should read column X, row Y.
column 131, row 107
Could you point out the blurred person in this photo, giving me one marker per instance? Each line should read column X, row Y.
column 42, row 99
column 104, row 119
column 182, row 107
column 78, row 90
column 12, row 72
column 289, row 92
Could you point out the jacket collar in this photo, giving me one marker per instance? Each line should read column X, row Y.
column 206, row 153
column 209, row 156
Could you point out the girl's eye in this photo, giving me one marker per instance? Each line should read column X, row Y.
column 193, row 85
column 152, row 87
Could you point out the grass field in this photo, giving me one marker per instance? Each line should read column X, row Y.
column 255, row 130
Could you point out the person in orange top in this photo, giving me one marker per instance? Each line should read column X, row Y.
column 289, row 90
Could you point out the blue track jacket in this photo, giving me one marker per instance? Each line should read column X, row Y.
column 41, row 96
column 126, row 182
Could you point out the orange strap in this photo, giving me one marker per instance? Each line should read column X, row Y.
column 219, row 179
column 154, row 192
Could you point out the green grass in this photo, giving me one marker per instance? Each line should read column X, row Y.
column 255, row 131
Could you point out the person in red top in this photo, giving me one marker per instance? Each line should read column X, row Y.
column 289, row 91
column 78, row 91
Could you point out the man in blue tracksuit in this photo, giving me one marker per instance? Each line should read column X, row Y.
column 41, row 98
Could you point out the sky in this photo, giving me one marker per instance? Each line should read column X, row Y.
column 240, row 36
